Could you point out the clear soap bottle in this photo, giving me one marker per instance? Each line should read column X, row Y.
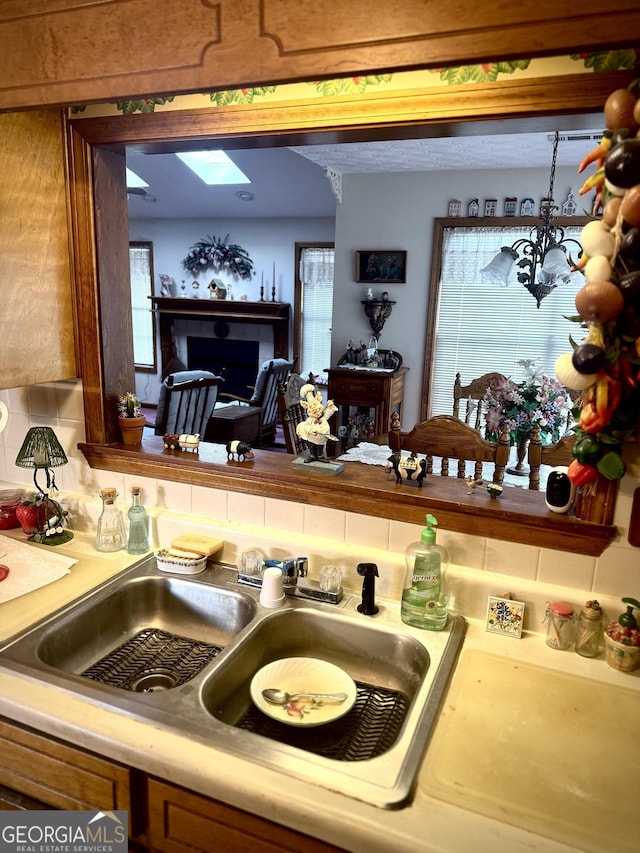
column 111, row 535
column 138, row 525
column 424, row 598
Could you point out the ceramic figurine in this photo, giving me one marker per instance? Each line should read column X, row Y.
column 315, row 430
column 240, row 449
column 490, row 206
column 171, row 441
column 190, row 442
column 407, row 468
column 474, row 208
column 455, row 207
column 527, row 207
column 510, row 206
column 569, row 207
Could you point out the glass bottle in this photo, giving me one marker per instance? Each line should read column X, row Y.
column 138, row 525
column 589, row 630
column 111, row 534
column 559, row 618
column 424, row 598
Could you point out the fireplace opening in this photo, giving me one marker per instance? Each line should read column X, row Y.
column 240, row 358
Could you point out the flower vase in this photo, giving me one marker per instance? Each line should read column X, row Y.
column 519, row 468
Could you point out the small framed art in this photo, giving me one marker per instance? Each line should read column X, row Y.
column 388, row 265
column 505, row 616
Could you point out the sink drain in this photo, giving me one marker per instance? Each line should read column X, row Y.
column 153, row 661
column 154, row 680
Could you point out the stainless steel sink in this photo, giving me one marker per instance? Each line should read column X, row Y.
column 125, row 646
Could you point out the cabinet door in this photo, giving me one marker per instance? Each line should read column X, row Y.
column 60, row 775
column 36, row 319
column 180, row 820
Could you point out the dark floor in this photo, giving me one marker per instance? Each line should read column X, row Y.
column 278, row 445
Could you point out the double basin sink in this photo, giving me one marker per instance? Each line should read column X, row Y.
column 180, row 653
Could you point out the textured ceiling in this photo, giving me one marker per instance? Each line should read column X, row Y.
column 292, row 182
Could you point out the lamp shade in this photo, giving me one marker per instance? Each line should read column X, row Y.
column 555, row 261
column 41, row 449
column 497, row 272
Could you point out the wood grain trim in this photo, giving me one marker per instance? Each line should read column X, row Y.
column 91, row 51
column 521, row 517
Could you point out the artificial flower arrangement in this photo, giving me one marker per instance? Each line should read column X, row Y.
column 605, row 365
column 538, row 400
column 220, row 255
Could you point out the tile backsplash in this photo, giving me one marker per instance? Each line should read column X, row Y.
column 325, row 535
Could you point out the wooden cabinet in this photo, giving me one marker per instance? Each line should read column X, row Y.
column 180, row 820
column 37, row 319
column 38, row 772
column 48, row 47
column 359, row 392
column 60, row 775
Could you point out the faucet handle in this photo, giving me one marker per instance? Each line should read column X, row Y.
column 302, row 566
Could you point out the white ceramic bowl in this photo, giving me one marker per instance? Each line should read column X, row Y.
column 179, row 565
column 299, row 674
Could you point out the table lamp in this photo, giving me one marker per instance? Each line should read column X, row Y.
column 41, row 450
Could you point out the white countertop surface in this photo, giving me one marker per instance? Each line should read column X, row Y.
column 426, row 824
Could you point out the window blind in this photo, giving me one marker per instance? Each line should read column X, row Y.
column 142, row 318
column 483, row 328
column 316, row 276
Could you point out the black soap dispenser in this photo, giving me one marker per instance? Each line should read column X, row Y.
column 627, row 619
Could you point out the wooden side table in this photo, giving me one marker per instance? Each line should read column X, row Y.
column 361, row 391
column 233, row 422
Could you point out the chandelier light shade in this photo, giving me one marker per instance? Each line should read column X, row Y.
column 499, row 270
column 542, row 258
column 41, row 450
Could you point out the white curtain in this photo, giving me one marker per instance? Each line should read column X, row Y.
column 316, row 275
column 483, row 328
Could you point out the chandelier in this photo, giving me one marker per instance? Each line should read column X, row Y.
column 542, row 257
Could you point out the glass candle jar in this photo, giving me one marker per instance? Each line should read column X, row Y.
column 559, row 619
column 10, row 499
column 589, row 630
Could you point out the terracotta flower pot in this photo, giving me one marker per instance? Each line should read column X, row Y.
column 132, row 429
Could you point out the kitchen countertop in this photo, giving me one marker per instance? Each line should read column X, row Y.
column 428, row 823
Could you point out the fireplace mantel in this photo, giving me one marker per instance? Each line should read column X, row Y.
column 170, row 308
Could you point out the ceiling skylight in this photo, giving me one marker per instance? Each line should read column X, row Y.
column 134, row 181
column 213, row 167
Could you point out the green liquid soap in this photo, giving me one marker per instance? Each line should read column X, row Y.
column 424, row 598
column 138, row 542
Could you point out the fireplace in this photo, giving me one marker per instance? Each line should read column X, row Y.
column 240, row 358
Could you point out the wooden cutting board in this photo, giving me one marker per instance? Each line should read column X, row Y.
column 546, row 751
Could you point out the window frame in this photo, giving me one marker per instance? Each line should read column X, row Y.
column 439, row 227
column 298, row 333
column 144, row 367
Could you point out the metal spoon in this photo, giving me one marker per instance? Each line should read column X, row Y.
column 281, row 697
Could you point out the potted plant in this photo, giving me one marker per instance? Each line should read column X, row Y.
column 130, row 420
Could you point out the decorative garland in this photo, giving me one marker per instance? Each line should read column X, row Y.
column 605, row 365
column 220, row 256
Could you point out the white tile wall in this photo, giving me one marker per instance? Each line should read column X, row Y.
column 480, row 566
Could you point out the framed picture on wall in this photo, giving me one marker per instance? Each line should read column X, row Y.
column 384, row 265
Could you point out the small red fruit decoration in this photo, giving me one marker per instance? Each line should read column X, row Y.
column 605, row 365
